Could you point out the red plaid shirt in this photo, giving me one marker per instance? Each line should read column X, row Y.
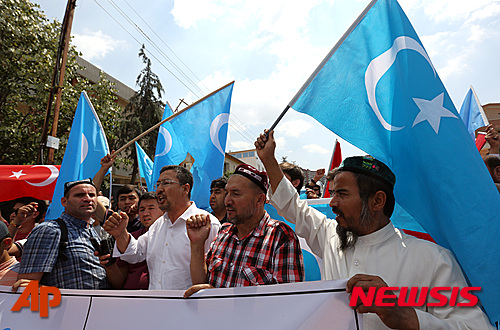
column 270, row 254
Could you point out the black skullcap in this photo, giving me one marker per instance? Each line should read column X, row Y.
column 71, row 184
column 369, row 166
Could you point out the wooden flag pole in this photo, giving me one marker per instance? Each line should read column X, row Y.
column 165, row 120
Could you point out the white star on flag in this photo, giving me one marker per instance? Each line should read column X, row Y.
column 432, row 111
column 17, row 174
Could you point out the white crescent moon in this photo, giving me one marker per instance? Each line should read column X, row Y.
column 54, row 173
column 217, row 123
column 168, row 141
column 85, row 148
column 379, row 66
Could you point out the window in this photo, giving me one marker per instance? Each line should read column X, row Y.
column 238, row 155
column 251, row 154
column 245, row 154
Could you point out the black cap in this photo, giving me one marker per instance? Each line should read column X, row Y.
column 71, row 184
column 369, row 166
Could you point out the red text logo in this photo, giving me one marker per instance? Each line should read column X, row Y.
column 411, row 297
column 39, row 298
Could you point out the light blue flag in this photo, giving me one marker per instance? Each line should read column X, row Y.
column 204, row 126
column 472, row 113
column 312, row 269
column 170, row 148
column 86, row 146
column 145, row 164
column 378, row 90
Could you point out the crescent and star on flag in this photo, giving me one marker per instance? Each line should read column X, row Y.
column 430, row 110
column 215, row 127
column 54, row 173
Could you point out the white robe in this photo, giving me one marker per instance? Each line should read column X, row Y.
column 400, row 260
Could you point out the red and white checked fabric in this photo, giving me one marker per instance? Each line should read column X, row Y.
column 270, row 254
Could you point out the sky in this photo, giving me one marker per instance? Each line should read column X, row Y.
column 270, row 48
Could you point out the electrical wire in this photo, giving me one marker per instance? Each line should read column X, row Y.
column 170, row 49
column 237, row 125
column 149, row 52
column 155, row 46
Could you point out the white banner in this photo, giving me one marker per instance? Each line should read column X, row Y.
column 306, row 305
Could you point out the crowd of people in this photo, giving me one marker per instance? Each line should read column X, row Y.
column 160, row 240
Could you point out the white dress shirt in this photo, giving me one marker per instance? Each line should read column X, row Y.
column 400, row 260
column 167, row 250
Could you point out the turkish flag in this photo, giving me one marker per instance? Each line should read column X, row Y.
column 36, row 181
column 335, row 162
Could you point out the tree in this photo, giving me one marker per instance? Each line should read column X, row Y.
column 28, row 47
column 143, row 111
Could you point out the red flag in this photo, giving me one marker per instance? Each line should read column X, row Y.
column 335, row 162
column 480, row 140
column 36, row 181
column 418, row 234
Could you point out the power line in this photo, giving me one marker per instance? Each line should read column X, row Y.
column 171, row 50
column 141, row 31
column 238, row 126
column 140, row 43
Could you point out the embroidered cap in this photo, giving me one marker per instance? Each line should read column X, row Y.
column 369, row 166
column 254, row 175
column 71, row 184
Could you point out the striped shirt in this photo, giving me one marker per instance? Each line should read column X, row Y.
column 270, row 254
column 8, row 272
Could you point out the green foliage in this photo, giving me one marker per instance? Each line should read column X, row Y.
column 28, row 48
column 144, row 111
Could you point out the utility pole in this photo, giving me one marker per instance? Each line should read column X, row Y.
column 57, row 84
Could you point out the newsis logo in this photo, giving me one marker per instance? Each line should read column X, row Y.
column 414, row 296
column 40, row 301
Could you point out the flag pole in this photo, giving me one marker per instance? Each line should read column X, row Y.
column 138, row 161
column 278, row 120
column 165, row 120
column 481, row 110
column 322, row 64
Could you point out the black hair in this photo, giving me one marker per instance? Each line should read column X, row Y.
column 127, row 189
column 219, row 183
column 42, row 206
column 182, row 174
column 368, row 186
column 147, row 196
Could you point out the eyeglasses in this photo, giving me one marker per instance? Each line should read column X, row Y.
column 165, row 182
column 13, row 211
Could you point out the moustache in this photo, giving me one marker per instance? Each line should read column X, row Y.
column 337, row 211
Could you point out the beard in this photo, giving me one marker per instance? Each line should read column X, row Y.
column 346, row 237
column 242, row 216
column 349, row 236
column 165, row 204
